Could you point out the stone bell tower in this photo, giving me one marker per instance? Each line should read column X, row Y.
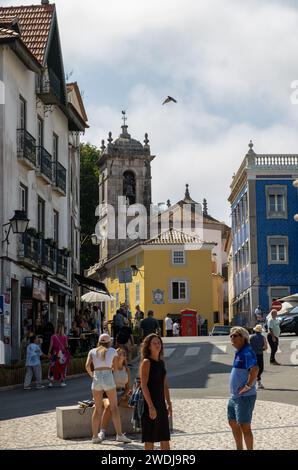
column 125, row 173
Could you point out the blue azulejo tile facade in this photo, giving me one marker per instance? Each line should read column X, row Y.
column 277, row 239
column 264, row 233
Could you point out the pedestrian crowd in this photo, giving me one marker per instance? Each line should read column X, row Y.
column 108, row 366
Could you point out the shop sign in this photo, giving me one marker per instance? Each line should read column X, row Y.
column 39, row 289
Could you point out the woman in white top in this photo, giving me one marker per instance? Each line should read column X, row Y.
column 103, row 359
column 122, row 379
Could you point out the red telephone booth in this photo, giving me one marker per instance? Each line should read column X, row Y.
column 189, row 325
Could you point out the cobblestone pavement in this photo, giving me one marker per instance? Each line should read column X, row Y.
column 198, row 424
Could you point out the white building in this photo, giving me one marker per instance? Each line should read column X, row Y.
column 40, row 122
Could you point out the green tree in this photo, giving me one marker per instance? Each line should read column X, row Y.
column 88, row 202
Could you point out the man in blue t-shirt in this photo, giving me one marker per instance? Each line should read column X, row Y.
column 243, row 388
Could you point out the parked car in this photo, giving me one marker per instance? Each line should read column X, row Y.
column 289, row 322
column 219, row 330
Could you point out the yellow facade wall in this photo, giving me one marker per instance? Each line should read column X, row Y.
column 159, row 271
column 205, row 291
column 118, row 290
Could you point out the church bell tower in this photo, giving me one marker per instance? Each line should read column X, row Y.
column 125, row 173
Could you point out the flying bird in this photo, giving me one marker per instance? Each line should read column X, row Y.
column 168, row 99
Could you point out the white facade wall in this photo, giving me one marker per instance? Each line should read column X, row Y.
column 18, row 80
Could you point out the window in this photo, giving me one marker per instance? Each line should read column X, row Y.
column 179, row 290
column 137, row 293
column 216, row 317
column 39, row 139
column 24, row 198
column 178, row 257
column 40, row 215
column 276, row 201
column 127, row 294
column 22, row 113
column 277, row 250
column 277, row 293
column 56, row 227
column 55, row 148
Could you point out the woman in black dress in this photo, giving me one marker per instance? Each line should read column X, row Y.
column 157, row 406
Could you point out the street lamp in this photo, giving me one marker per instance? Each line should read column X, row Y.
column 93, row 238
column 135, row 270
column 18, row 224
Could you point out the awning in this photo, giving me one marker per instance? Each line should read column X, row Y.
column 91, row 284
column 59, row 287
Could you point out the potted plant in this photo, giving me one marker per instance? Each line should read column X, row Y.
column 31, row 231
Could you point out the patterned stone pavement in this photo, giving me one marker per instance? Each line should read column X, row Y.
column 198, row 424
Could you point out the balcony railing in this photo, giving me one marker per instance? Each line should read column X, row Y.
column 59, row 177
column 49, row 87
column 44, row 160
column 26, row 145
column 62, row 262
column 30, row 249
column 47, row 255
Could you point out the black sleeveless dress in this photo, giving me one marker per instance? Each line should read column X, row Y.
column 156, row 430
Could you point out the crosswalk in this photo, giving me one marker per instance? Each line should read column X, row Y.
column 194, row 351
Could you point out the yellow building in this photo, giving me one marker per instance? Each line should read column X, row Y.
column 171, row 272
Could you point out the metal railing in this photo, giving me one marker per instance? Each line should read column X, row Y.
column 62, row 263
column 47, row 255
column 48, row 84
column 59, row 176
column 26, row 145
column 30, row 247
column 45, row 162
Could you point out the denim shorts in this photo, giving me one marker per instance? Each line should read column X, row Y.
column 241, row 409
column 103, row 380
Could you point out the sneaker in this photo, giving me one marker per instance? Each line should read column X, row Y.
column 102, row 435
column 275, row 363
column 260, row 385
column 27, row 388
column 63, row 384
column 96, row 440
column 122, row 438
column 50, row 385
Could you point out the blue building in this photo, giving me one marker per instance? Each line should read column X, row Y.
column 263, row 202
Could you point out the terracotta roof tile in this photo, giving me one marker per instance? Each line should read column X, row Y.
column 173, row 237
column 35, row 22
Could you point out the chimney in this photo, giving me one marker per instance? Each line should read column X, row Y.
column 45, row 2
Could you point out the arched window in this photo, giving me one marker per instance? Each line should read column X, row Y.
column 129, row 187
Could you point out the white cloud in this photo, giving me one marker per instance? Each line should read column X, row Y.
column 229, row 63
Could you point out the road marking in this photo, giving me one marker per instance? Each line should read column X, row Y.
column 192, row 351
column 168, row 351
column 221, row 347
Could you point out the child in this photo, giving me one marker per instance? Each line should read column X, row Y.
column 259, row 344
column 33, row 365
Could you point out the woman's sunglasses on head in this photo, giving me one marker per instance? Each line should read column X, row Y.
column 234, row 336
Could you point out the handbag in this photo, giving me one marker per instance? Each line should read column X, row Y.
column 62, row 355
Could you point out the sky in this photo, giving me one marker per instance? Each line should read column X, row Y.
column 229, row 64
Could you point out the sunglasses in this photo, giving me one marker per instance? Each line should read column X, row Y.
column 234, row 336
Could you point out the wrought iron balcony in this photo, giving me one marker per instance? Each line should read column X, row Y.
column 62, row 263
column 59, row 178
column 48, row 87
column 26, row 145
column 29, row 249
column 44, row 164
column 47, row 256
